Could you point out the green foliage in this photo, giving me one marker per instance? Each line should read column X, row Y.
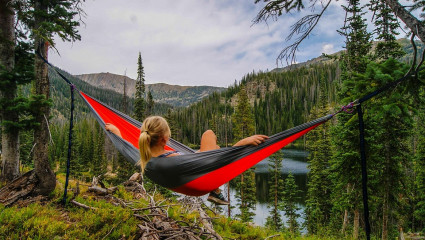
column 289, row 204
column 287, row 103
column 20, row 108
column 243, row 122
column 318, row 202
column 149, row 104
column 139, row 102
column 246, row 195
column 345, row 163
column 274, row 221
column 243, row 119
column 60, row 19
column 386, row 29
column 419, row 163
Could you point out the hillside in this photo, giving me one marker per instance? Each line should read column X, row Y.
column 405, row 44
column 125, row 212
column 281, row 98
column 60, row 94
column 175, row 95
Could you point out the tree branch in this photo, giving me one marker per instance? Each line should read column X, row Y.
column 304, row 26
column 416, row 26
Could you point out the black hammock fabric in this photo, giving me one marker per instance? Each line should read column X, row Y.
column 192, row 173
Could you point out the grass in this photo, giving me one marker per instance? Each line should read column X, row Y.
column 52, row 220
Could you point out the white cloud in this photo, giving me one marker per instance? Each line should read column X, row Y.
column 328, row 48
column 191, row 42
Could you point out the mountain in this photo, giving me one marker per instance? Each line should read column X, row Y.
column 405, row 43
column 175, row 95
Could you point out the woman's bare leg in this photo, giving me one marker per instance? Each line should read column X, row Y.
column 208, row 141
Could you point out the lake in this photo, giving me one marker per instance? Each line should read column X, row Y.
column 294, row 161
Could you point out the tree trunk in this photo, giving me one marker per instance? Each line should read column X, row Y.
column 345, row 221
column 10, row 137
column 411, row 21
column 47, row 178
column 356, row 224
column 385, row 216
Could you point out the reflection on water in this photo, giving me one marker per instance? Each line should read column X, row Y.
column 295, row 161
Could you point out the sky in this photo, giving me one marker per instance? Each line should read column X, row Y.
column 188, row 42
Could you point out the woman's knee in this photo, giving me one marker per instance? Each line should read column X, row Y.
column 209, row 134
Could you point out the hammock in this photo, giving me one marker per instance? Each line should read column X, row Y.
column 192, row 173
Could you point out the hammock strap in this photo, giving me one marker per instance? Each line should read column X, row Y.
column 68, row 161
column 71, row 124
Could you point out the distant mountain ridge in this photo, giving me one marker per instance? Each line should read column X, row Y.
column 176, row 95
column 405, row 44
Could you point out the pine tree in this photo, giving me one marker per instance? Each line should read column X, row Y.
column 346, row 167
column 386, row 29
column 10, row 137
column 289, row 204
column 390, row 123
column 139, row 101
column 419, row 168
column 318, row 203
column 124, row 101
column 274, row 221
column 149, row 105
column 243, row 122
column 243, row 119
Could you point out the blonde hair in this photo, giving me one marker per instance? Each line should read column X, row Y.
column 153, row 129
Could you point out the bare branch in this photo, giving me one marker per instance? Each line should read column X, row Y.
column 302, row 27
column 415, row 52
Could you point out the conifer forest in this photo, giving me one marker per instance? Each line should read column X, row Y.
column 36, row 110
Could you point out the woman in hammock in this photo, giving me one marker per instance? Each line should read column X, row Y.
column 155, row 134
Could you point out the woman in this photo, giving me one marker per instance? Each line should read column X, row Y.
column 155, row 134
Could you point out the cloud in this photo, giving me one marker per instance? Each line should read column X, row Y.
column 328, row 48
column 191, row 42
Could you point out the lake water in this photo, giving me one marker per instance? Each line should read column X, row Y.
column 294, row 161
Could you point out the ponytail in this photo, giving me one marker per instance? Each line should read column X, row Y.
column 145, row 149
column 153, row 129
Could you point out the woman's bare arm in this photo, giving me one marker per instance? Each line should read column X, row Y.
column 253, row 140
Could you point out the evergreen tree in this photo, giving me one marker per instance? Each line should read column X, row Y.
column 243, row 122
column 386, row 29
column 419, row 168
column 289, row 204
column 318, row 203
column 390, row 123
column 274, row 221
column 149, row 105
column 9, row 89
column 124, row 101
column 243, row 119
column 346, row 167
column 246, row 195
column 49, row 18
column 139, row 100
column 16, row 70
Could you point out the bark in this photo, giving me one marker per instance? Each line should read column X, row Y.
column 345, row 221
column 411, row 21
column 47, row 178
column 385, row 214
column 10, row 139
column 356, row 222
column 19, row 188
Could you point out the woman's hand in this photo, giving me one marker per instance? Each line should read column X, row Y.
column 113, row 129
column 253, row 140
